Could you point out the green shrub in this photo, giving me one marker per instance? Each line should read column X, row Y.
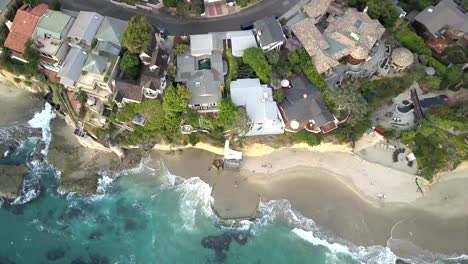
column 255, row 58
column 314, row 77
column 17, row 80
column 304, row 136
column 441, row 69
column 410, row 40
column 233, row 68
column 130, row 64
column 279, row 96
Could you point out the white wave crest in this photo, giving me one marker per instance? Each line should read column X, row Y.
column 307, row 229
column 195, row 199
column 42, row 120
column 309, row 236
column 103, row 183
column 26, row 197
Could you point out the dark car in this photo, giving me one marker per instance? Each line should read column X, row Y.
column 247, row 25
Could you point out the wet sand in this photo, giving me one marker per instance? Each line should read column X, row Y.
column 340, row 199
column 18, row 106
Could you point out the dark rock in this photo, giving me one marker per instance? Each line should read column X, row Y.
column 78, row 261
column 5, row 260
column 132, row 224
column 96, row 235
column 241, row 238
column 16, row 209
column 55, row 254
column 101, row 219
column 37, row 155
column 97, row 259
column 74, row 213
column 219, row 244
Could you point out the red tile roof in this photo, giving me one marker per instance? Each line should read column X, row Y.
column 23, row 26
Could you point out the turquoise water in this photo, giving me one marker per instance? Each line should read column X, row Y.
column 147, row 215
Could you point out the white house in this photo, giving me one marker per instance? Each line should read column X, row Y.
column 240, row 41
column 260, row 106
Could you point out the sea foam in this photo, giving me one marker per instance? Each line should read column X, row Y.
column 42, row 120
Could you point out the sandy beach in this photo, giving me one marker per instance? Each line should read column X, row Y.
column 342, row 193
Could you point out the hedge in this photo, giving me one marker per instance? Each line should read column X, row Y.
column 410, row 40
column 233, row 68
column 314, row 77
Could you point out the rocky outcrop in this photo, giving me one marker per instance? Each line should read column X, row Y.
column 11, row 177
column 79, row 166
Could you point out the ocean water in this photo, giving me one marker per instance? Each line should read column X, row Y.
column 147, row 215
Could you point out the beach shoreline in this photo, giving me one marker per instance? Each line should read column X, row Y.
column 334, row 189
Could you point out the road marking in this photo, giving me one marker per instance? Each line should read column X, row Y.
column 285, row 3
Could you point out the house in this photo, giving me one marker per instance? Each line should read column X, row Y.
column 109, row 35
column 269, row 34
column 350, row 35
column 304, row 108
column 240, row 41
column 445, row 20
column 84, row 29
column 261, row 108
column 50, row 38
column 151, row 83
column 316, row 9
column 202, row 70
column 72, row 67
column 98, row 38
column 22, row 29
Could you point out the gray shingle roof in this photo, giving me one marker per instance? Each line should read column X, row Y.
column 268, row 31
column 85, row 26
column 72, row 66
column 304, row 102
column 111, row 29
column 205, row 87
column 95, row 64
column 443, row 14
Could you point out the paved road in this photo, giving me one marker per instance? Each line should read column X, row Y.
column 176, row 25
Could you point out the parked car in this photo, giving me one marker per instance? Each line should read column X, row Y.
column 247, row 25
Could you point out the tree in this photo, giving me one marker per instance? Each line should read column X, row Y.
column 170, row 3
column 137, row 35
column 174, row 104
column 255, row 58
column 130, row 64
column 227, row 112
column 31, row 2
column 273, row 57
column 180, row 49
column 383, row 10
column 55, row 5
column 31, row 55
column 349, row 98
column 279, row 96
column 456, row 55
column 284, row 69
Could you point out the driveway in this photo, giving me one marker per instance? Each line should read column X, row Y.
column 180, row 26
